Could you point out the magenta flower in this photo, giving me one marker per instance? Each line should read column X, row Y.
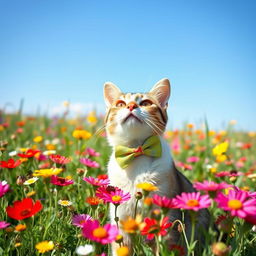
column 232, row 173
column 239, row 203
column 112, row 195
column 58, row 159
column 96, row 181
column 193, row 159
column 185, row 166
column 92, row 152
column 4, row 187
column 192, row 201
column 163, row 201
column 210, row 185
column 104, row 235
column 80, row 219
column 59, row 181
column 88, row 162
column 4, row 224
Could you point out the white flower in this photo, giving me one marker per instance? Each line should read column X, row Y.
column 49, row 152
column 30, row 181
column 64, row 203
column 254, row 228
column 55, row 141
column 84, row 250
column 13, row 153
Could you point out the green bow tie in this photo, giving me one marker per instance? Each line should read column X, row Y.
column 151, row 147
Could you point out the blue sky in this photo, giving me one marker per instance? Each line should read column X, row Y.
column 57, row 50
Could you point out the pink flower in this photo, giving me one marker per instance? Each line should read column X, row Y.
column 192, row 201
column 58, row 159
column 239, row 203
column 232, row 173
column 4, row 187
column 3, row 224
column 59, row 181
column 96, row 181
column 163, row 201
column 193, row 159
column 112, row 195
column 175, row 145
column 89, row 163
column 92, row 152
column 210, row 185
column 80, row 219
column 185, row 166
column 104, row 235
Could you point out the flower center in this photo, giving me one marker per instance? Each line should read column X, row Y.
column 116, row 198
column 235, row 204
column 192, row 202
column 25, row 212
column 100, row 232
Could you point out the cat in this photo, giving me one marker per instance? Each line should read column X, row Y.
column 131, row 119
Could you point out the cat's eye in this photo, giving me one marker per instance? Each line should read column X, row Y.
column 120, row 104
column 146, row 103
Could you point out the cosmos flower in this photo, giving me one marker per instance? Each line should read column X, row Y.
column 4, row 224
column 58, row 159
column 79, row 219
column 96, row 181
column 4, row 188
column 90, row 163
column 113, row 195
column 45, row 246
column 192, row 201
column 163, row 201
column 59, row 181
column 24, row 209
column 210, row 186
column 10, row 163
column 238, row 202
column 154, row 228
column 102, row 234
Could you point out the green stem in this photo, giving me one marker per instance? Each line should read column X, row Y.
column 135, row 210
column 116, row 217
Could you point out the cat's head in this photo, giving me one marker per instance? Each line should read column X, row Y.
column 133, row 117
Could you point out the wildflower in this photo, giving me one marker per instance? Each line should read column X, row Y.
column 10, row 163
column 45, row 246
column 220, row 249
column 31, row 193
column 38, row 139
column 192, row 201
column 58, row 159
column 193, row 159
column 93, row 200
column 81, row 134
column 163, row 201
column 17, row 245
column 148, row 201
column 30, row 181
column 224, row 223
column 20, row 227
column 237, row 202
column 29, row 153
column 4, row 224
column 23, row 209
column 154, row 228
column 220, row 149
column 147, row 186
column 59, row 181
column 13, row 153
column 131, row 225
column 232, row 173
column 185, row 166
column 122, row 251
column 79, row 219
column 84, row 249
column 91, row 118
column 47, row 172
column 102, row 176
column 88, row 162
column 210, row 186
column 64, row 203
column 49, row 152
column 104, row 235
column 115, row 196
column 4, row 188
column 92, row 152
column 96, row 181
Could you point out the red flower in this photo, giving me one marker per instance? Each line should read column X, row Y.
column 29, row 153
column 23, row 209
column 58, row 159
column 10, row 164
column 153, row 227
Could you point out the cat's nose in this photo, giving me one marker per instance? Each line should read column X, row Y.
column 132, row 105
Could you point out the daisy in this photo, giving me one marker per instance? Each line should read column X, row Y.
column 88, row 162
column 30, row 181
column 58, row 159
column 102, row 234
column 79, row 219
column 96, row 181
column 47, row 172
column 239, row 203
column 192, row 201
column 64, row 203
column 147, row 186
column 84, row 249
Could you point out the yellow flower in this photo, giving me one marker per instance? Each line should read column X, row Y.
column 64, row 203
column 17, row 245
column 251, row 134
column 221, row 158
column 50, row 146
column 1, row 128
column 31, row 193
column 91, row 118
column 220, row 149
column 45, row 246
column 132, row 225
column 38, row 139
column 147, row 186
column 81, row 134
column 122, row 251
column 20, row 227
column 211, row 133
column 190, row 126
column 30, row 181
column 47, row 172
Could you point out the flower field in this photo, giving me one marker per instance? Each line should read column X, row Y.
column 55, row 192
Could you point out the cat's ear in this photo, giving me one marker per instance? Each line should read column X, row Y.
column 161, row 91
column 111, row 93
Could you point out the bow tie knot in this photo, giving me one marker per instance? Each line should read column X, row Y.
column 151, row 147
